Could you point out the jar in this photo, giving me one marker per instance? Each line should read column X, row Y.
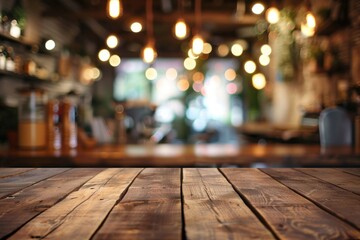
column 68, row 124
column 53, row 124
column 32, row 119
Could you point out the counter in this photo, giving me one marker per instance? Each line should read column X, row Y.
column 167, row 155
column 179, row 203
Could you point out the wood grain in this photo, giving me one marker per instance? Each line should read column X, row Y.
column 354, row 171
column 213, row 210
column 13, row 183
column 326, row 195
column 335, row 176
column 289, row 215
column 26, row 204
column 151, row 209
column 9, row 172
column 87, row 206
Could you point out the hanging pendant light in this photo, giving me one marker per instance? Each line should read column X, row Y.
column 181, row 31
column 149, row 53
column 197, row 41
column 272, row 15
column 197, row 45
column 309, row 23
column 114, row 8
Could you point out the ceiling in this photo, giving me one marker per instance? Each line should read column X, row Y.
column 221, row 22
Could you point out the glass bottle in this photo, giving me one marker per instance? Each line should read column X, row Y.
column 32, row 119
column 68, row 124
column 53, row 124
column 10, row 63
column 2, row 58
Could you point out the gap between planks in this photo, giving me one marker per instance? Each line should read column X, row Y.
column 335, row 177
column 251, row 207
column 327, row 207
column 62, row 219
column 273, row 205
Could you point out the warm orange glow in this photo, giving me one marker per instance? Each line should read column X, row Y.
column 181, row 31
column 230, row 74
column 149, row 54
column 197, row 45
column 258, row 81
column 272, row 15
column 258, row 8
column 198, row 77
column 189, row 64
column 250, row 66
column 112, row 41
column 183, row 84
column 136, row 27
column 151, row 73
column 114, row 8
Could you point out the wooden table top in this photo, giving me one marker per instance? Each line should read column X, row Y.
column 168, row 155
column 180, row 203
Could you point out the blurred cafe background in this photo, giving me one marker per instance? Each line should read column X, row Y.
column 79, row 74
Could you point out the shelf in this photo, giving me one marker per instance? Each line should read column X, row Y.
column 19, row 41
column 25, row 77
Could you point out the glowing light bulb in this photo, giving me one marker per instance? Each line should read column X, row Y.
column 236, row 49
column 250, row 66
column 308, row 26
column 151, row 73
column 230, row 74
column 149, row 54
column 259, row 81
column 310, row 20
column 258, row 8
column 307, row 31
column 223, row 50
column 265, row 49
column 207, row 48
column 50, row 44
column 197, row 45
column 180, row 29
column 136, row 27
column 104, row 55
column 95, row 73
column 189, row 64
column 272, row 15
column 198, row 77
column 115, row 60
column 264, row 60
column 192, row 55
column 114, row 8
column 112, row 41
column 183, row 84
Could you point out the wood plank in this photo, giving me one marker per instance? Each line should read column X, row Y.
column 9, row 172
column 288, row 214
column 151, row 209
column 327, row 195
column 87, row 206
column 354, row 171
column 213, row 210
column 14, row 183
column 22, row 206
column 335, row 176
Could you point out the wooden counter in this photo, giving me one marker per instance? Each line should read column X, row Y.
column 175, row 203
column 166, row 155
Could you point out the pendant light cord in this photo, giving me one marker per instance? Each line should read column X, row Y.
column 149, row 14
column 197, row 15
